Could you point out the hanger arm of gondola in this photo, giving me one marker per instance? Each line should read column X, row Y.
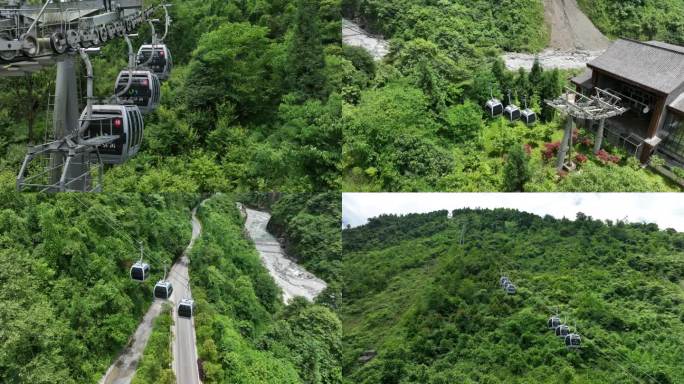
column 131, row 68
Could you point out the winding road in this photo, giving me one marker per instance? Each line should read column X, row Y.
column 292, row 278
column 184, row 348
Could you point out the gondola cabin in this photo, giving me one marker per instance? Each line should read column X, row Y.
column 161, row 62
column 529, row 116
column 494, row 108
column 512, row 112
column 163, row 290
column 124, row 121
column 510, row 289
column 140, row 271
column 186, row 308
column 144, row 90
column 562, row 331
column 573, row 341
column 503, row 281
column 554, row 322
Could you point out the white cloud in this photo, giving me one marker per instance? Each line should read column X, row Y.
column 664, row 209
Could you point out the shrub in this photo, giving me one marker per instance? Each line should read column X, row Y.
column 550, row 150
column 607, row 158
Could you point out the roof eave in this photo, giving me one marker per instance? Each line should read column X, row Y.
column 631, row 81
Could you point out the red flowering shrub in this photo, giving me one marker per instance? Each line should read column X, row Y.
column 575, row 134
column 606, row 158
column 586, row 142
column 550, row 150
column 581, row 158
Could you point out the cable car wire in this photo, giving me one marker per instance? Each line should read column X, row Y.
column 112, row 224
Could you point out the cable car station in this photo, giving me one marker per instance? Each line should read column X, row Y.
column 104, row 132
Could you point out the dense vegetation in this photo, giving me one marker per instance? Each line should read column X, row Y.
column 414, row 121
column 67, row 303
column 638, row 19
column 310, row 226
column 155, row 365
column 248, row 107
column 244, row 332
column 433, row 312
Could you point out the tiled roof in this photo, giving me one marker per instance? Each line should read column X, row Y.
column 657, row 66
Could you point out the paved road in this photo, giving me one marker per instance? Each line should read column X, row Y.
column 184, row 348
column 123, row 369
column 292, row 278
column 185, row 366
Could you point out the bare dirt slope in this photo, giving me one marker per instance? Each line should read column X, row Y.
column 574, row 42
column 571, row 29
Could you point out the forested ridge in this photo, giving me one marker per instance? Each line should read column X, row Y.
column 638, row 19
column 415, row 121
column 67, row 303
column 244, row 332
column 250, row 104
column 433, row 311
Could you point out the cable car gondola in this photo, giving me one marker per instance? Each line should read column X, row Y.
column 573, row 341
column 562, row 331
column 528, row 116
column 512, row 112
column 510, row 289
column 504, row 280
column 163, row 289
column 554, row 322
column 140, row 271
column 144, row 91
column 186, row 308
column 124, row 121
column 160, row 63
column 493, row 106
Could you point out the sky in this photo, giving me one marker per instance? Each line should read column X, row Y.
column 664, row 209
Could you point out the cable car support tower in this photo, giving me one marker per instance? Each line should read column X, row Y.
column 600, row 106
column 36, row 37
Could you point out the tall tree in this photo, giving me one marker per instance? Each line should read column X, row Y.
column 535, row 76
column 516, row 170
column 306, row 58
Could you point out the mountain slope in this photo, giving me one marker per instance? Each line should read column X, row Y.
column 570, row 28
column 433, row 312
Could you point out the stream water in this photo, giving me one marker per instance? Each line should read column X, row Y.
column 291, row 277
column 354, row 35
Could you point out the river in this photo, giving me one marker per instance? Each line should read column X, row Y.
column 291, row 277
column 355, row 36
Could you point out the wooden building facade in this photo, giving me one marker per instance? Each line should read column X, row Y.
column 649, row 77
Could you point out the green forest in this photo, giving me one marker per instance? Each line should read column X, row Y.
column 415, row 120
column 251, row 104
column 421, row 294
column 69, row 307
column 638, row 19
column 244, row 332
